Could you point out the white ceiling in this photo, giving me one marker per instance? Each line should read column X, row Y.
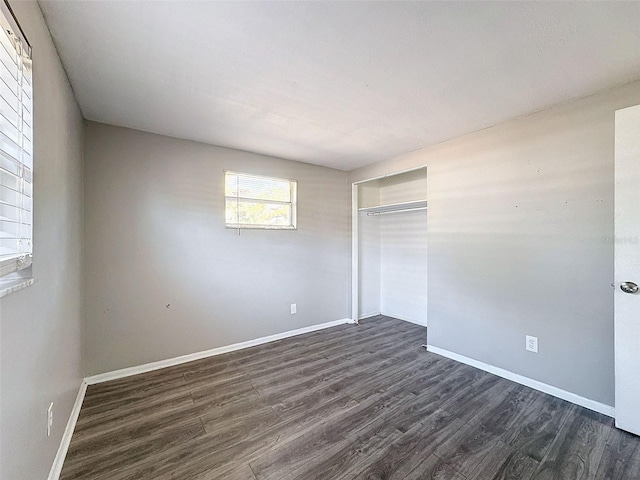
column 340, row 84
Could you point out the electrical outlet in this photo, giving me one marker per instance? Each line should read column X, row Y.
column 49, row 419
column 531, row 344
column 294, row 308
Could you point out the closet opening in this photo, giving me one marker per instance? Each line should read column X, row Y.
column 390, row 247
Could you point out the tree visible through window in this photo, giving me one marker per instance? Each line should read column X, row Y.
column 253, row 201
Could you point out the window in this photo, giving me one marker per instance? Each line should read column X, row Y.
column 259, row 202
column 16, row 156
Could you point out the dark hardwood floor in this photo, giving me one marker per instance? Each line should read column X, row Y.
column 350, row 402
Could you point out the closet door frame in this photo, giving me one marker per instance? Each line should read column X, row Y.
column 355, row 253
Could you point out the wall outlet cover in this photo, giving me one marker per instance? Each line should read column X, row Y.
column 294, row 308
column 531, row 344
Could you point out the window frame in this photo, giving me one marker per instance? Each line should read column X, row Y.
column 293, row 186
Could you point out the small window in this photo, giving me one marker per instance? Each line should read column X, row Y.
column 16, row 140
column 252, row 201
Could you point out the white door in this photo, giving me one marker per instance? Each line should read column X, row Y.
column 627, row 269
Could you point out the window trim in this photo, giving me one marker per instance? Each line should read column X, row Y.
column 14, row 25
column 293, row 185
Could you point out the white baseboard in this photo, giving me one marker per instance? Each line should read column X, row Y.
column 368, row 315
column 403, row 318
column 170, row 362
column 58, row 461
column 529, row 382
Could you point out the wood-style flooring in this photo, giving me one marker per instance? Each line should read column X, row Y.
column 351, row 402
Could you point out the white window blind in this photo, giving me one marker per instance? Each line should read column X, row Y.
column 253, row 201
column 16, row 146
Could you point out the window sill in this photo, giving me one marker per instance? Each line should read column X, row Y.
column 11, row 285
column 260, row 227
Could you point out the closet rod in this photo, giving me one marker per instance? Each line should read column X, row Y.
column 370, row 214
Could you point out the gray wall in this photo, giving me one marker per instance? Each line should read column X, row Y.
column 155, row 236
column 520, row 242
column 40, row 326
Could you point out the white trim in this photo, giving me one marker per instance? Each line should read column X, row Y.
column 529, row 382
column 355, row 290
column 368, row 315
column 395, row 207
column 404, row 319
column 170, row 362
column 58, row 461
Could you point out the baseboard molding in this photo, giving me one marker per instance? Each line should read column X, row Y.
column 170, row 362
column 403, row 318
column 58, row 461
column 529, row 382
column 368, row 315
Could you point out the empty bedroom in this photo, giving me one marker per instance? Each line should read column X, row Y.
column 270, row 240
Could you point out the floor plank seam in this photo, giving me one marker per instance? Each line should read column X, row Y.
column 252, row 471
column 276, row 413
column 204, row 427
column 449, row 465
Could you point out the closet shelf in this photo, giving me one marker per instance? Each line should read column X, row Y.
column 395, row 207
